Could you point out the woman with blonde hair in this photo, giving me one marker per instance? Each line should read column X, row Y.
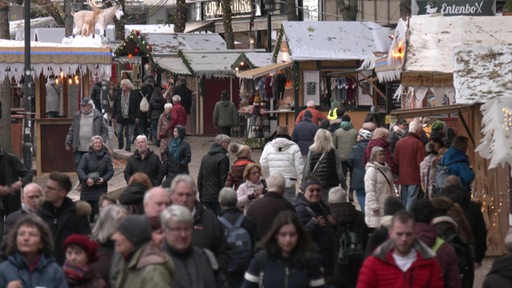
column 133, row 195
column 380, row 139
column 125, row 113
column 322, row 162
column 378, row 184
column 94, row 171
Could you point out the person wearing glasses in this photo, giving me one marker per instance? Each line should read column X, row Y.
column 194, row 266
column 315, row 215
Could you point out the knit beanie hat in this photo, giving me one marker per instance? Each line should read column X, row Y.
column 136, row 229
column 309, row 181
column 393, row 205
column 82, row 241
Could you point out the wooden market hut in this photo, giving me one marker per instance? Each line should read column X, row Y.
column 71, row 65
column 448, row 70
column 324, row 53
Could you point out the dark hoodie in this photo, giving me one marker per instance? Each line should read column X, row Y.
column 212, row 173
column 445, row 254
column 500, row 274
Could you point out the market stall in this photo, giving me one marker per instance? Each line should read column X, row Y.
column 71, row 66
column 450, row 65
column 328, row 62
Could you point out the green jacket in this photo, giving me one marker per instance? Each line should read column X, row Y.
column 148, row 267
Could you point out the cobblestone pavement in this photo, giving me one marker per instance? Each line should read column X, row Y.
column 199, row 146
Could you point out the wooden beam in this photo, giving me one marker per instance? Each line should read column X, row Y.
column 370, row 81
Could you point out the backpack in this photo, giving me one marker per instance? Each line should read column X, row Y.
column 240, row 242
column 462, row 250
column 351, row 247
column 442, row 172
column 144, row 104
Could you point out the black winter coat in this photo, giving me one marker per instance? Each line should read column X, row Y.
column 500, row 274
column 212, row 173
column 328, row 171
column 209, row 233
column 133, row 109
column 156, row 106
column 11, row 169
column 100, row 162
column 151, row 165
column 95, row 95
column 64, row 221
column 322, row 236
column 357, row 166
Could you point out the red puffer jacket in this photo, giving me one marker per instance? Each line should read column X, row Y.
column 380, row 270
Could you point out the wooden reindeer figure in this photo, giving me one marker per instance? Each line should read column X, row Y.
column 104, row 17
column 89, row 23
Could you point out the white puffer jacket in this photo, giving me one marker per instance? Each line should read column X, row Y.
column 377, row 190
column 283, row 155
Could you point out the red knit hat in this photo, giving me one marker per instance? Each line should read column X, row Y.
column 82, row 241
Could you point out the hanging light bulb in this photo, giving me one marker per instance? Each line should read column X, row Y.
column 70, row 81
column 77, row 80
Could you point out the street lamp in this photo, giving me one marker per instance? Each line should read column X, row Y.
column 27, row 82
column 268, row 4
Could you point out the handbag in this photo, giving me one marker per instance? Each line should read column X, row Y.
column 144, row 104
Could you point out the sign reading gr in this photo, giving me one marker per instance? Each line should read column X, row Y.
column 455, row 7
column 213, row 9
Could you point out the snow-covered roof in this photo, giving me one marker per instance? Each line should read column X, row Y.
column 481, row 73
column 432, row 39
column 211, row 64
column 259, row 59
column 335, row 40
column 169, row 44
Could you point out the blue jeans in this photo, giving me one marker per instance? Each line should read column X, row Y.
column 77, row 155
column 129, row 134
column 361, row 196
column 409, row 194
column 289, row 194
column 154, row 126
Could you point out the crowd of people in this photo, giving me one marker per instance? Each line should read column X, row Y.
column 301, row 226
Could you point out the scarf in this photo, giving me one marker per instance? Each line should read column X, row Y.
column 76, row 274
column 174, row 149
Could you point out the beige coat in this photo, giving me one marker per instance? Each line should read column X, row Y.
column 377, row 188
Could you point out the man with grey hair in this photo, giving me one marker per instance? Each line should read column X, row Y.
column 144, row 160
column 194, row 266
column 213, row 172
column 264, row 210
column 87, row 122
column 29, row 196
column 208, row 232
column 155, row 201
column 178, row 113
column 409, row 153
